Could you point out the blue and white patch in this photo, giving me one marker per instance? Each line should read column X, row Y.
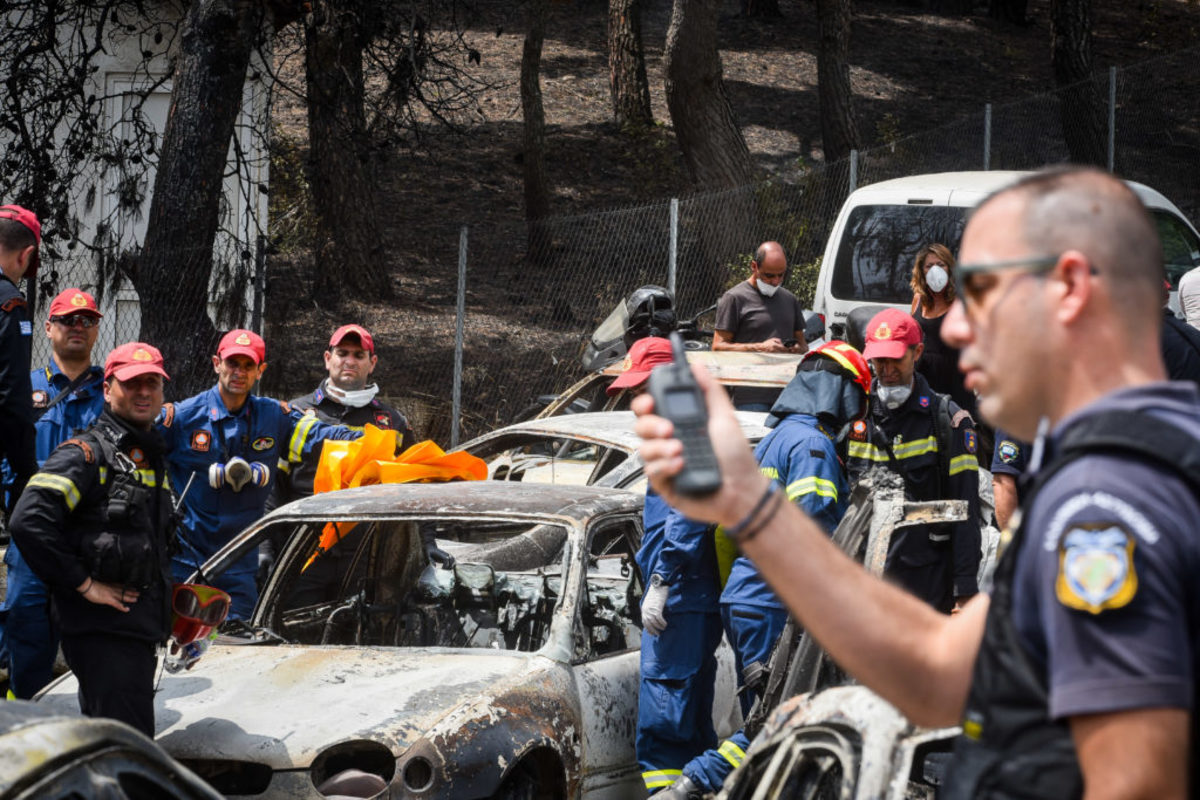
column 970, row 442
column 1009, row 451
column 26, row 328
column 924, row 401
column 1095, row 567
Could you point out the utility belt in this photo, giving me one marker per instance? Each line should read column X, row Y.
column 124, row 551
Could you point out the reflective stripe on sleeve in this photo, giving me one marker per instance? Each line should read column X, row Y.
column 299, row 437
column 866, row 451
column 964, row 463
column 917, row 447
column 812, row 485
column 732, row 753
column 64, row 486
column 661, row 778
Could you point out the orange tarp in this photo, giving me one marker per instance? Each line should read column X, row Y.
column 372, row 459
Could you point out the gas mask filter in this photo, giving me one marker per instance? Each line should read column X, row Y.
column 237, row 472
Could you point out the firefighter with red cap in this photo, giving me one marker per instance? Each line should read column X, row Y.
column 68, row 397
column 230, row 444
column 926, row 438
column 20, row 238
column 94, row 524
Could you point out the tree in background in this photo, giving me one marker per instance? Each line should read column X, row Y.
column 839, row 129
column 1081, row 102
column 627, row 82
column 537, row 186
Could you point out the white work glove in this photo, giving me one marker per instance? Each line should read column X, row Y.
column 654, row 602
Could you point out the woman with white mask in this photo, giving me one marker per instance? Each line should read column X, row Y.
column 933, row 294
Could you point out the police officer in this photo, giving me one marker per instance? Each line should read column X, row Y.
column 233, row 443
column 94, row 525
column 931, row 443
column 68, row 397
column 346, row 398
column 830, row 389
column 681, row 625
column 1009, row 461
column 1077, row 671
column 20, row 237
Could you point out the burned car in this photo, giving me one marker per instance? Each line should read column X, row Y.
column 844, row 743
column 511, row 674
column 47, row 755
column 596, row 448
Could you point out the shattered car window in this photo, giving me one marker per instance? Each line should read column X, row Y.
column 611, row 618
column 373, row 584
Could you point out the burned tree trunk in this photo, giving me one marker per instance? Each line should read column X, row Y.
column 627, row 80
column 349, row 254
column 537, row 191
column 839, row 130
column 172, row 273
column 761, row 9
column 1081, row 102
column 713, row 148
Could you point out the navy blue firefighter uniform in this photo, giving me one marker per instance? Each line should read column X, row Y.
column 16, row 407
column 937, row 563
column 100, row 508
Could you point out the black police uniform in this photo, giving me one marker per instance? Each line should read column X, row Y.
column 936, row 562
column 327, row 409
column 1094, row 608
column 16, row 391
column 100, row 507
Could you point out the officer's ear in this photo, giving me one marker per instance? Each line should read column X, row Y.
column 107, row 386
column 217, row 364
column 919, row 347
column 261, row 369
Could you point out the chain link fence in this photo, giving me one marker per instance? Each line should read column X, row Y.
column 533, row 293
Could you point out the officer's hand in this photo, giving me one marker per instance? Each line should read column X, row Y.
column 742, row 484
column 436, row 555
column 110, row 594
column 654, row 603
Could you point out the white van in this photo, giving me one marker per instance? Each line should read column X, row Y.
column 869, row 256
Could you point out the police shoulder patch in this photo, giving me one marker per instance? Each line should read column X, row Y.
column 1009, row 451
column 1095, row 567
column 969, row 441
column 201, row 441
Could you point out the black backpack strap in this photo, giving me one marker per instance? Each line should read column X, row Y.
column 1139, row 434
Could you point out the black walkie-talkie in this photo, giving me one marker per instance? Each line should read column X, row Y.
column 677, row 397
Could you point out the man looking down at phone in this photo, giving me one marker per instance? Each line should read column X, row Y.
column 1076, row 674
column 759, row 315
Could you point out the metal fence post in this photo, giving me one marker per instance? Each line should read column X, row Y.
column 1112, row 118
column 461, row 312
column 673, row 246
column 260, row 285
column 987, row 136
column 853, row 171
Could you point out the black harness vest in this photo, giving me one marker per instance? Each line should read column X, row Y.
column 1010, row 747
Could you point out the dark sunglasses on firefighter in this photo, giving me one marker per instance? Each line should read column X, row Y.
column 76, row 321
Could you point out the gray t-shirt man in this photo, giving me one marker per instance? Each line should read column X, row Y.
column 759, row 315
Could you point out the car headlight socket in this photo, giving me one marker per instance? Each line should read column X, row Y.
column 417, row 774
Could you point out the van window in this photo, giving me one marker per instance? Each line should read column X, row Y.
column 874, row 260
column 1181, row 250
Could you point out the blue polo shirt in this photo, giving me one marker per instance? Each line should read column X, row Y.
column 1104, row 596
column 71, row 415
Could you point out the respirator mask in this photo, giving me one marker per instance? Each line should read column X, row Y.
column 937, row 278
column 767, row 289
column 893, row 397
column 237, row 472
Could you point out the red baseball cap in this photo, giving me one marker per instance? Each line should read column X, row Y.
column 74, row 301
column 241, row 342
column 644, row 356
column 364, row 337
column 133, row 359
column 30, row 221
column 890, row 333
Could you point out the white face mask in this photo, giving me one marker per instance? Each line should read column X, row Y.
column 766, row 289
column 937, row 278
column 893, row 396
column 356, row 398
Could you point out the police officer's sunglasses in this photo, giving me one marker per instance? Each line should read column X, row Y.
column 76, row 321
column 972, row 290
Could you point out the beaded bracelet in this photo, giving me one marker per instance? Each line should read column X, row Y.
column 738, row 532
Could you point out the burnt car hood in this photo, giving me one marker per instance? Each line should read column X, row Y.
column 281, row 706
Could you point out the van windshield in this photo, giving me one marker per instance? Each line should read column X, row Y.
column 875, row 259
